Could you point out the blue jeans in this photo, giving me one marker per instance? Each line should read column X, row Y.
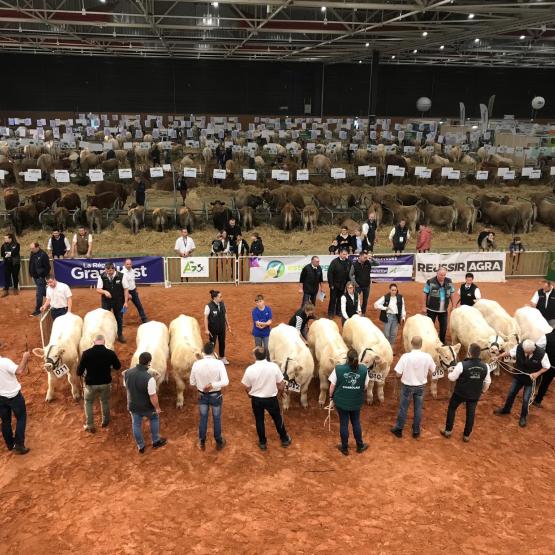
column 137, row 302
column 390, row 328
column 16, row 406
column 408, row 392
column 344, row 417
column 40, row 282
column 516, row 386
column 263, row 342
column 137, row 420
column 205, row 401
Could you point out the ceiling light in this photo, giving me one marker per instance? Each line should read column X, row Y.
column 425, row 34
column 474, row 127
column 323, row 8
column 367, row 44
column 415, row 51
column 114, row 34
column 442, row 47
column 522, row 37
column 393, row 57
column 215, row 4
column 360, row 61
column 103, row 1
column 470, row 16
column 476, row 40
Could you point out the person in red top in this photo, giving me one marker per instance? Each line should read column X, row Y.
column 424, row 240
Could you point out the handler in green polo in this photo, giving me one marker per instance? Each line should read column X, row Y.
column 348, row 384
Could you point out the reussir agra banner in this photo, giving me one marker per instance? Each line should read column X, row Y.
column 486, row 266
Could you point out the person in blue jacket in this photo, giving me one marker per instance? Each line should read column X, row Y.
column 261, row 323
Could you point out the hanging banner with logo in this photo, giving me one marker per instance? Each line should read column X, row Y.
column 84, row 272
column 486, row 266
column 195, row 266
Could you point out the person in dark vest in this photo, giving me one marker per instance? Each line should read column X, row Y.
column 544, row 301
column 349, row 302
column 392, row 312
column 233, row 230
column 140, row 190
column 114, row 294
column 82, row 243
column 347, row 385
column 300, row 319
column 469, row 292
column 155, row 155
column 142, row 402
column 531, row 363
column 360, row 275
column 257, row 247
column 472, row 378
column 11, row 256
column 216, row 323
column 344, row 239
column 338, row 276
column 39, row 268
column 399, row 235
column 547, row 378
column 304, row 156
column 482, row 235
column 438, row 293
column 58, row 245
column 310, row 281
column 369, row 229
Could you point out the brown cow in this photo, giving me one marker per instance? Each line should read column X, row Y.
column 61, row 216
column 159, row 219
column 288, row 216
column 109, row 186
column 186, row 219
column 247, row 217
column 136, row 218
column 103, row 200
column 310, row 217
column 220, row 214
column 49, row 197
column 26, row 216
column 94, row 218
column 11, row 198
column 70, row 200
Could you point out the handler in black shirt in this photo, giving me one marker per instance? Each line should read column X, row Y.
column 360, row 276
column 338, row 276
column 97, row 363
column 311, row 281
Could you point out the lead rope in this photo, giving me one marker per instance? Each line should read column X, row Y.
column 327, row 421
column 515, row 371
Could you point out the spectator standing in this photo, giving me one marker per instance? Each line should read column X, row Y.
column 347, row 385
column 392, row 312
column 155, row 155
column 140, row 190
column 483, row 234
column 58, row 245
column 262, row 381
column 544, row 300
column 142, row 402
column 311, row 281
column 360, row 275
column 424, row 238
column 369, row 230
column 399, row 235
column 344, row 239
column 216, row 322
column 262, row 321
column 233, row 231
column 13, row 402
column 129, row 282
column 438, row 293
column 241, row 247
column 413, row 368
column 469, row 292
column 96, row 365
column 300, row 319
column 338, row 276
column 257, row 248
column 82, row 244
column 304, row 156
column 182, row 187
column 349, row 302
column 209, row 376
column 184, row 245
column 58, row 298
column 12, row 263
column 515, row 249
column 39, row 268
column 114, row 294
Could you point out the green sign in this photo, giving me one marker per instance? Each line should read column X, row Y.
column 551, row 267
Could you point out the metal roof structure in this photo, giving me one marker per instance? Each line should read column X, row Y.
column 447, row 32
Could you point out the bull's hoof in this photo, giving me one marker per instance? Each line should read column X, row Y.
column 321, row 404
column 179, row 406
column 381, row 399
column 369, row 401
column 48, row 399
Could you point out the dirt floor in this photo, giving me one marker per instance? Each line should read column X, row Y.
column 76, row 492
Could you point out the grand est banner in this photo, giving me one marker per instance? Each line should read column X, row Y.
column 84, row 272
column 287, row 269
column 486, row 266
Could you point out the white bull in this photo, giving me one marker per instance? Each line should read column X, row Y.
column 373, row 349
column 185, row 348
column 499, row 319
column 98, row 322
column 153, row 337
column 532, row 324
column 328, row 349
column 62, row 348
column 290, row 353
column 444, row 356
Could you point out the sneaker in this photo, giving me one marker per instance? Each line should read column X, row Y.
column 396, row 432
column 445, row 433
column 537, row 404
column 224, row 360
column 121, row 339
column 362, row 448
column 262, row 446
column 90, row 430
column 286, row 442
column 160, row 443
column 141, row 450
column 499, row 411
column 343, row 450
column 220, row 444
column 35, row 313
column 21, row 449
column 415, row 435
column 466, row 439
column 522, row 422
column 202, row 444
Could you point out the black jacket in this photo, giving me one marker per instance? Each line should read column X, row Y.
column 39, row 264
column 232, row 232
column 338, row 273
column 15, row 258
column 360, row 273
column 257, row 248
column 311, row 279
column 344, row 242
column 98, row 362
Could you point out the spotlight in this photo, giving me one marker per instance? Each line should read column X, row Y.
column 323, row 8
column 425, row 34
column 476, row 41
column 393, row 57
column 470, row 16
column 522, row 37
column 367, row 44
column 415, row 51
column 442, row 47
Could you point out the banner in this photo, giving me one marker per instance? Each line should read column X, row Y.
column 486, row 266
column 195, row 266
column 287, row 269
column 84, row 272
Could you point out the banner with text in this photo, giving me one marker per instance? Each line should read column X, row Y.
column 84, row 272
column 486, row 266
column 195, row 266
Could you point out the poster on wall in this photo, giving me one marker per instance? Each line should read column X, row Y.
column 486, row 266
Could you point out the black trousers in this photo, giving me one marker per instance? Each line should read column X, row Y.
column 454, row 403
column 16, row 406
column 221, row 341
column 11, row 275
column 442, row 318
column 334, row 308
column 546, row 380
column 55, row 312
column 270, row 404
column 365, row 294
column 309, row 297
column 108, row 304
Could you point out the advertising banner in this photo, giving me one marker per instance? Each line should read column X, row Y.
column 195, row 266
column 486, row 266
column 84, row 272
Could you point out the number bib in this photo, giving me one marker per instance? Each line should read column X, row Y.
column 375, row 376
column 293, row 386
column 438, row 373
column 61, row 371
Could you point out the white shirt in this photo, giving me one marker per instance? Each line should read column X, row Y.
column 66, row 243
column 364, row 231
column 209, row 370
column 128, row 279
column 477, row 292
column 75, row 238
column 392, row 307
column 262, row 377
column 344, row 305
column 457, row 371
column 414, row 367
column 333, row 378
column 9, row 386
column 545, row 360
column 58, row 295
column 536, row 297
column 184, row 245
column 151, row 386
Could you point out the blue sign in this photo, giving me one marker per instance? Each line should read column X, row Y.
column 84, row 272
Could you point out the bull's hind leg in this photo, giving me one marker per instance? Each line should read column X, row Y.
column 324, row 388
column 304, row 394
column 433, row 388
column 74, row 383
column 370, row 392
column 180, row 388
column 50, row 391
column 380, row 385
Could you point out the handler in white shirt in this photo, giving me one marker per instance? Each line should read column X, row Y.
column 209, row 375
column 129, row 282
column 413, row 368
column 184, row 245
column 58, row 298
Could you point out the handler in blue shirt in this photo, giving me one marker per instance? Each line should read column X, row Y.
column 261, row 320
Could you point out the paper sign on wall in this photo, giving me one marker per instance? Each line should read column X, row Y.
column 482, row 175
column 502, row 171
column 391, row 169
column 218, row 174
column 249, row 175
column 33, row 175
column 509, row 175
column 125, row 173
column 362, row 170
column 338, row 173
column 280, row 175
column 61, row 176
column 399, row 172
column 425, row 173
column 454, row 174
column 445, row 171
column 96, row 175
column 535, row 174
column 156, row 172
column 302, row 175
column 371, row 171
column 189, row 172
